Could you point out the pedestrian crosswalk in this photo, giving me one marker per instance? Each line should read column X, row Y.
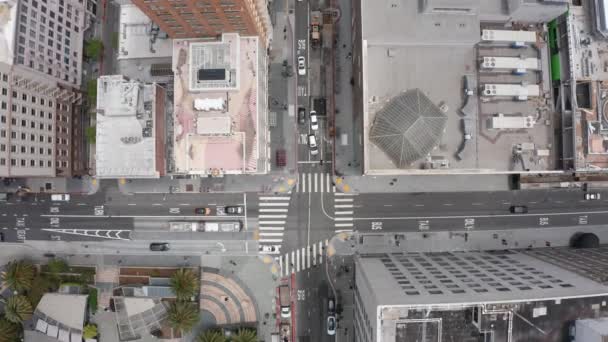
column 315, row 182
column 344, row 212
column 303, row 258
column 272, row 218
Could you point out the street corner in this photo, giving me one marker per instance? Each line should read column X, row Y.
column 274, row 267
column 341, row 244
column 343, row 185
column 284, row 185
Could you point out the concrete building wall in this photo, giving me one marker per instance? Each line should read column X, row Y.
column 535, row 11
column 209, row 18
column 49, row 38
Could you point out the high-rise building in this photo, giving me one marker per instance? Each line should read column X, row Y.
column 474, row 296
column 209, row 18
column 40, row 76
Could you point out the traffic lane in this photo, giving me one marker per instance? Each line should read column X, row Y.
column 194, row 200
column 311, row 295
column 486, row 222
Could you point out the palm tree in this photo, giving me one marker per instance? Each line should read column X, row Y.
column 184, row 284
column 182, row 316
column 19, row 275
column 211, row 336
column 17, row 309
column 245, row 335
column 9, row 331
column 90, row 331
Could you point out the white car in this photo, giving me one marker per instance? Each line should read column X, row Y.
column 314, row 121
column 331, row 325
column 60, row 197
column 266, row 249
column 301, row 66
column 312, row 144
column 593, row 196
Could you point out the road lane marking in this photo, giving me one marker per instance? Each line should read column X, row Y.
column 344, row 224
column 328, row 183
column 316, row 182
column 314, row 254
column 308, row 257
column 345, row 200
column 272, row 222
column 448, row 204
column 157, row 204
column 273, row 204
column 270, row 240
column 477, row 203
column 298, row 260
column 81, row 204
column 322, row 181
column 388, row 205
column 343, row 219
column 272, row 228
column 271, row 234
column 272, row 216
column 309, row 175
column 276, row 210
column 268, row 198
column 475, row 216
column 419, row 205
column 184, row 204
column 344, row 212
column 344, row 194
column 343, row 206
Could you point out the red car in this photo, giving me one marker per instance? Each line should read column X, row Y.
column 202, row 211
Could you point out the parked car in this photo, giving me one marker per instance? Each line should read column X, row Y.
column 314, row 120
column 331, row 306
column 301, row 115
column 202, row 211
column 281, row 158
column 1, row 237
column 590, row 196
column 331, row 325
column 268, row 249
column 312, row 144
column 233, row 210
column 301, row 66
column 518, row 209
column 159, row 246
column 60, row 197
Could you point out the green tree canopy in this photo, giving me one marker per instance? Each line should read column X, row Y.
column 93, row 49
column 184, row 284
column 17, row 309
column 90, row 331
column 57, row 265
column 245, row 335
column 211, row 336
column 19, row 275
column 182, row 316
column 9, row 331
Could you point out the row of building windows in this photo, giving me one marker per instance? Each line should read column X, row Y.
column 32, row 98
column 31, row 162
column 24, row 136
column 32, row 150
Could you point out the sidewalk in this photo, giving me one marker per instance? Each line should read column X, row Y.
column 422, row 183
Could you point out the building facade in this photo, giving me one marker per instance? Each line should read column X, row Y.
column 209, row 18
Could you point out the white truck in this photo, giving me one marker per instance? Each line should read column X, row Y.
column 205, row 226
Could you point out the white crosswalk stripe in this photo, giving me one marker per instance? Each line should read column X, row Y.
column 314, row 182
column 272, row 217
column 302, row 258
column 343, row 212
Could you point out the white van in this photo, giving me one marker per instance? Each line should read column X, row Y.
column 312, row 144
column 60, row 197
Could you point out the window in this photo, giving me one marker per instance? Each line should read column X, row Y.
column 49, row 140
column 24, row 97
column 49, row 163
column 49, row 151
column 23, row 110
column 13, row 121
column 14, row 94
column 3, row 133
column 3, row 119
column 22, row 162
column 50, row 115
column 41, row 163
column 41, row 101
column 33, row 112
column 4, row 91
column 23, row 122
column 2, row 161
column 21, row 41
column 41, row 138
column 22, row 136
column 41, row 150
column 42, row 114
column 32, row 163
column 32, row 150
column 13, row 162
column 22, row 149
column 13, row 148
column 32, row 137
column 3, row 105
column 13, row 135
column 2, row 147
column 41, row 126
column 32, row 124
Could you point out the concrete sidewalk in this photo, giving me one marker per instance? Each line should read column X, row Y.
column 422, row 183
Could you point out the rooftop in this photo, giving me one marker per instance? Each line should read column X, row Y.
column 219, row 99
column 139, row 37
column 59, row 317
column 441, row 49
column 130, row 130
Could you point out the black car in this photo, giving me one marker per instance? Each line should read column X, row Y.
column 1, row 237
column 234, row 210
column 301, row 115
column 159, row 246
column 518, row 209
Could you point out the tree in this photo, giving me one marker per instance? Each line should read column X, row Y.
column 19, row 275
column 93, row 49
column 57, row 265
column 211, row 336
column 92, row 92
column 90, row 331
column 245, row 335
column 184, row 284
column 9, row 331
column 182, row 316
column 91, row 134
column 17, row 309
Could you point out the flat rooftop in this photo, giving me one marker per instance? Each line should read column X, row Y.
column 139, row 37
column 438, row 53
column 218, row 95
column 130, row 136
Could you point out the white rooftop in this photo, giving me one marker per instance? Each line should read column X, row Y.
column 67, row 309
column 139, row 37
column 126, row 128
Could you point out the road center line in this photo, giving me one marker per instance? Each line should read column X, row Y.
column 478, row 216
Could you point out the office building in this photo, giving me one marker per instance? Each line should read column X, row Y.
column 501, row 295
column 208, row 18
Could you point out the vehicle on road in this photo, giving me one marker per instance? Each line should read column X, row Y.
column 312, row 144
column 590, row 196
column 233, row 210
column 202, row 211
column 159, row 246
column 3, row 196
column 1, row 237
column 331, row 306
column 314, row 121
column 301, row 66
column 281, row 158
column 268, row 249
column 331, row 325
column 518, row 209
column 60, row 197
column 285, row 301
column 205, row 226
column 301, row 115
